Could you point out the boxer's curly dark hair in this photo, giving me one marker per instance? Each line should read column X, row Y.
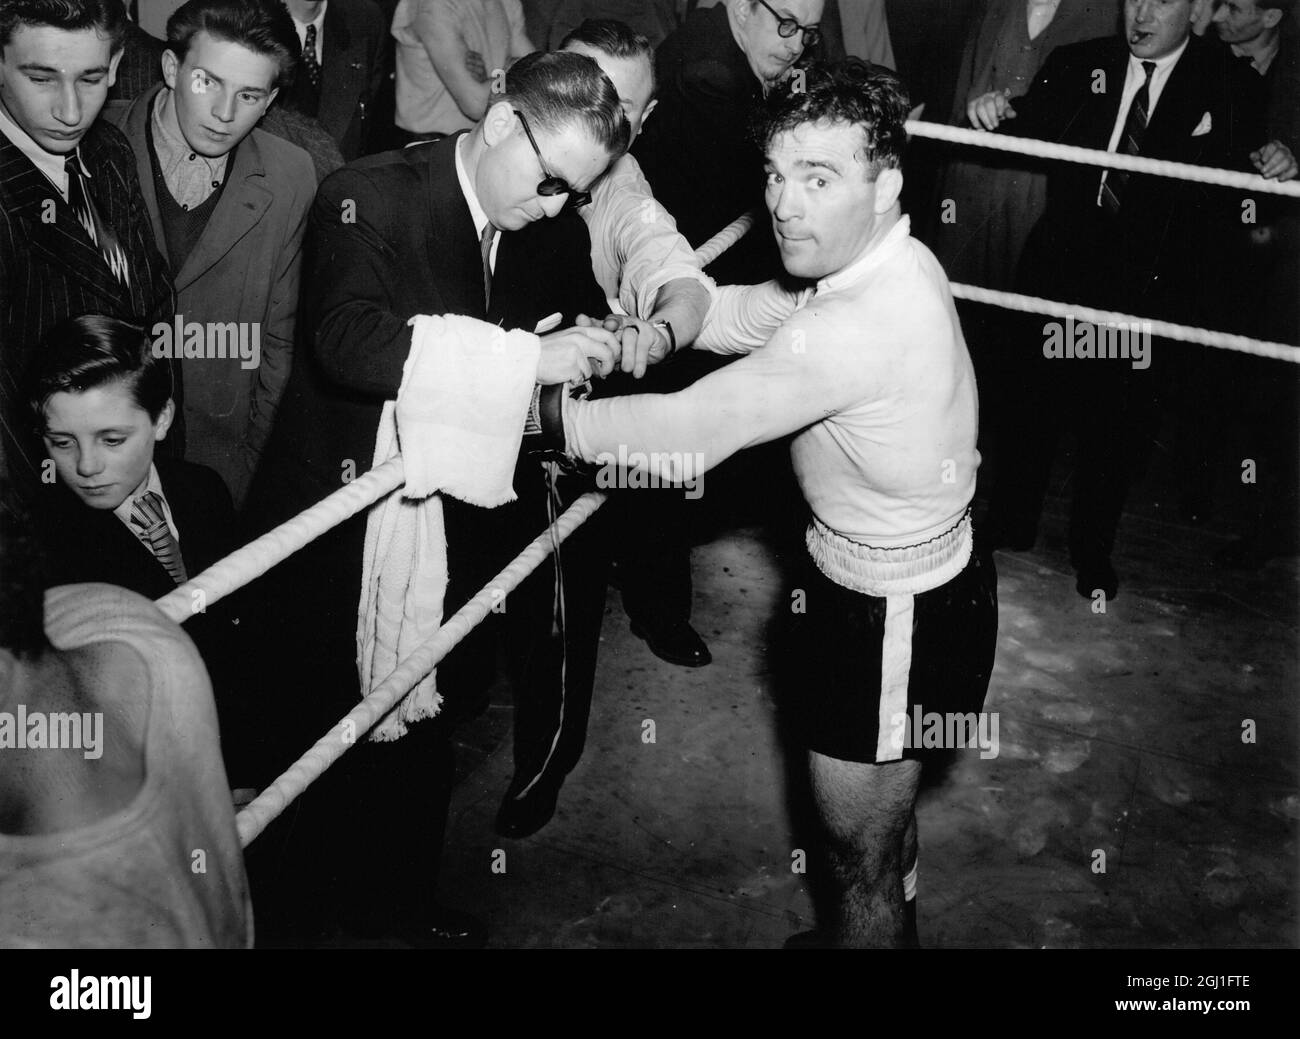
column 852, row 91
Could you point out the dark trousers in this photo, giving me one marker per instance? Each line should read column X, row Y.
column 1110, row 408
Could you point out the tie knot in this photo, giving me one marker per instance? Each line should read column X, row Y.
column 146, row 510
column 311, row 35
column 1148, row 67
column 485, row 241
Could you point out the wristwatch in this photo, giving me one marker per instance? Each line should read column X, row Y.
column 672, row 337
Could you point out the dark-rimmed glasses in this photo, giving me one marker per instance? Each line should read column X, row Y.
column 787, row 27
column 552, row 185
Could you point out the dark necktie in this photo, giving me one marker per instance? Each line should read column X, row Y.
column 485, row 248
column 147, row 517
column 309, row 61
column 99, row 233
column 1130, row 142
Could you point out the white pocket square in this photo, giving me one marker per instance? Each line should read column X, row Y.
column 1204, row 126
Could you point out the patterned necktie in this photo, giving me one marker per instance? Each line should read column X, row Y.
column 485, row 248
column 99, row 233
column 147, row 517
column 309, row 61
column 1135, row 128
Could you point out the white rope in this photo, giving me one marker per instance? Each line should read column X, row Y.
column 1111, row 160
column 724, row 239
column 1161, row 329
column 335, row 743
column 257, row 557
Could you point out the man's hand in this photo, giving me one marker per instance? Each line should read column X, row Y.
column 641, row 344
column 476, row 66
column 574, row 354
column 1275, row 161
column 988, row 110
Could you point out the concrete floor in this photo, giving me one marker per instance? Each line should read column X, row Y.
column 1120, row 734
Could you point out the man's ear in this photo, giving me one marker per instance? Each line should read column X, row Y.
column 270, row 98
column 1273, row 15
column 165, row 419
column 113, row 63
column 741, row 10
column 498, row 123
column 889, row 185
column 648, row 109
column 170, row 64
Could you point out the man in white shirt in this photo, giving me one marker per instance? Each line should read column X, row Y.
column 450, row 55
column 873, row 376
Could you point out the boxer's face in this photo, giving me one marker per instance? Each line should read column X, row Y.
column 825, row 209
column 220, row 90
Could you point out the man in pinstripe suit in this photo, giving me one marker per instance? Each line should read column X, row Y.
column 74, row 237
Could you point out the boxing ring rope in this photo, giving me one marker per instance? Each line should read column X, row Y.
column 1094, row 157
column 255, row 559
column 330, row 747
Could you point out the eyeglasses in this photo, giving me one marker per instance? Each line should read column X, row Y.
column 551, row 184
column 787, row 27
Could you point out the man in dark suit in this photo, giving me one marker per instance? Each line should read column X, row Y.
column 74, row 237
column 341, row 71
column 697, row 153
column 452, row 227
column 117, row 514
column 1138, row 244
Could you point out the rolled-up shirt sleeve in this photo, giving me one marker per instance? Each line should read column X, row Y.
column 635, row 245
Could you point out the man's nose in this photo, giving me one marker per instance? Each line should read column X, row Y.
column 785, row 206
column 223, row 106
column 68, row 108
column 552, row 204
column 1143, row 12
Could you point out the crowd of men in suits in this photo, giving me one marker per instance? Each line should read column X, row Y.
column 244, row 218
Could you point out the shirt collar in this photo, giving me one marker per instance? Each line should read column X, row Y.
column 151, row 483
column 172, row 147
column 1162, row 65
column 53, row 166
column 476, row 212
column 870, row 259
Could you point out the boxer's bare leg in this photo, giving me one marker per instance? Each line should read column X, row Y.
column 866, row 810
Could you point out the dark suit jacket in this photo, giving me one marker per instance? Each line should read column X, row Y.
column 244, row 268
column 696, row 151
column 141, row 64
column 352, row 71
column 391, row 237
column 1158, row 257
column 50, row 270
column 80, row 544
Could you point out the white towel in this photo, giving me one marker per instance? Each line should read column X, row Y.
column 458, row 420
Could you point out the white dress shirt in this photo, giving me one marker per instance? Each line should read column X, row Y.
column 476, row 213
column 1134, row 77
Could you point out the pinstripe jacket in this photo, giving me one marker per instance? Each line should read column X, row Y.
column 50, row 270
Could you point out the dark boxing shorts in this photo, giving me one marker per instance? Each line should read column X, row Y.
column 880, row 679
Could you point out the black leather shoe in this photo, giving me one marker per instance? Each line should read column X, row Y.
column 523, row 817
column 1099, row 574
column 444, row 928
column 677, row 643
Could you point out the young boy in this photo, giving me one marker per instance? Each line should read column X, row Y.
column 110, row 511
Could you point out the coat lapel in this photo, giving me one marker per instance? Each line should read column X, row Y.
column 55, row 234
column 244, row 201
column 134, row 125
column 453, row 246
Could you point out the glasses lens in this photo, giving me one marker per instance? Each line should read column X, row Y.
column 787, row 27
column 553, row 186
